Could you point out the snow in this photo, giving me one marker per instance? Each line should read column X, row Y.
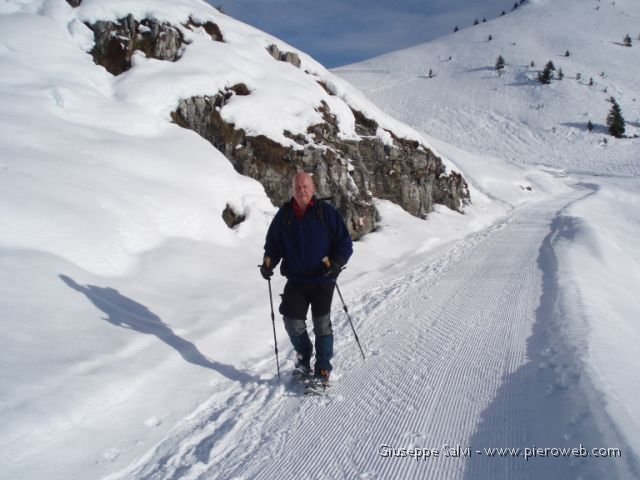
column 136, row 331
column 604, row 251
column 509, row 119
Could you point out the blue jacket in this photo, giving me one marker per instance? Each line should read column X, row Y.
column 302, row 244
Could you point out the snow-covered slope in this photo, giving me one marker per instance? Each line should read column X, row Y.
column 510, row 116
column 136, row 332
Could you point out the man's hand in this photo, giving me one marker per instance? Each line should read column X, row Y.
column 332, row 268
column 265, row 269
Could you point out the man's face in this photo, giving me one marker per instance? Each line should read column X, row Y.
column 303, row 190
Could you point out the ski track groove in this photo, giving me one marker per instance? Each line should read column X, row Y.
column 440, row 340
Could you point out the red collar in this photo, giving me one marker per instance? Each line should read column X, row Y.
column 298, row 212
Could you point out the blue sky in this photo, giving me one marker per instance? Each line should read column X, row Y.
column 337, row 32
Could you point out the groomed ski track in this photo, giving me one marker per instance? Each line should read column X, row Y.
column 469, row 350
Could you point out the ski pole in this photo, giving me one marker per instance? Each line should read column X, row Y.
column 273, row 323
column 344, row 307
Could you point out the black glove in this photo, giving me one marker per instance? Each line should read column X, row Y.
column 265, row 270
column 332, row 269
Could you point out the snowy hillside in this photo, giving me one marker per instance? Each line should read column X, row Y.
column 509, row 115
column 136, row 330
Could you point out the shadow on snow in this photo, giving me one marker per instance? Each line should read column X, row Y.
column 124, row 312
column 549, row 402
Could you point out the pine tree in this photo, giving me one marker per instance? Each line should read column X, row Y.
column 560, row 74
column 499, row 63
column 455, row 29
column 590, row 126
column 615, row 121
column 627, row 41
column 490, row 37
column 476, row 22
column 545, row 76
column 566, row 54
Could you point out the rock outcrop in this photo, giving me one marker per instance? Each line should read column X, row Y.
column 290, row 57
column 115, row 42
column 351, row 172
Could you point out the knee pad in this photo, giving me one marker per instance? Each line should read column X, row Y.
column 294, row 326
column 322, row 325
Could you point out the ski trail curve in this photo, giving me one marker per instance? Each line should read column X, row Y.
column 443, row 342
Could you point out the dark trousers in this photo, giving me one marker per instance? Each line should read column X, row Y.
column 296, row 299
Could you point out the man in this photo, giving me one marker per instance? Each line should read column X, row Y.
column 311, row 239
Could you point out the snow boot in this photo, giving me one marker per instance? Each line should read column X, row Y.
column 323, row 377
column 302, row 367
column 319, row 386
